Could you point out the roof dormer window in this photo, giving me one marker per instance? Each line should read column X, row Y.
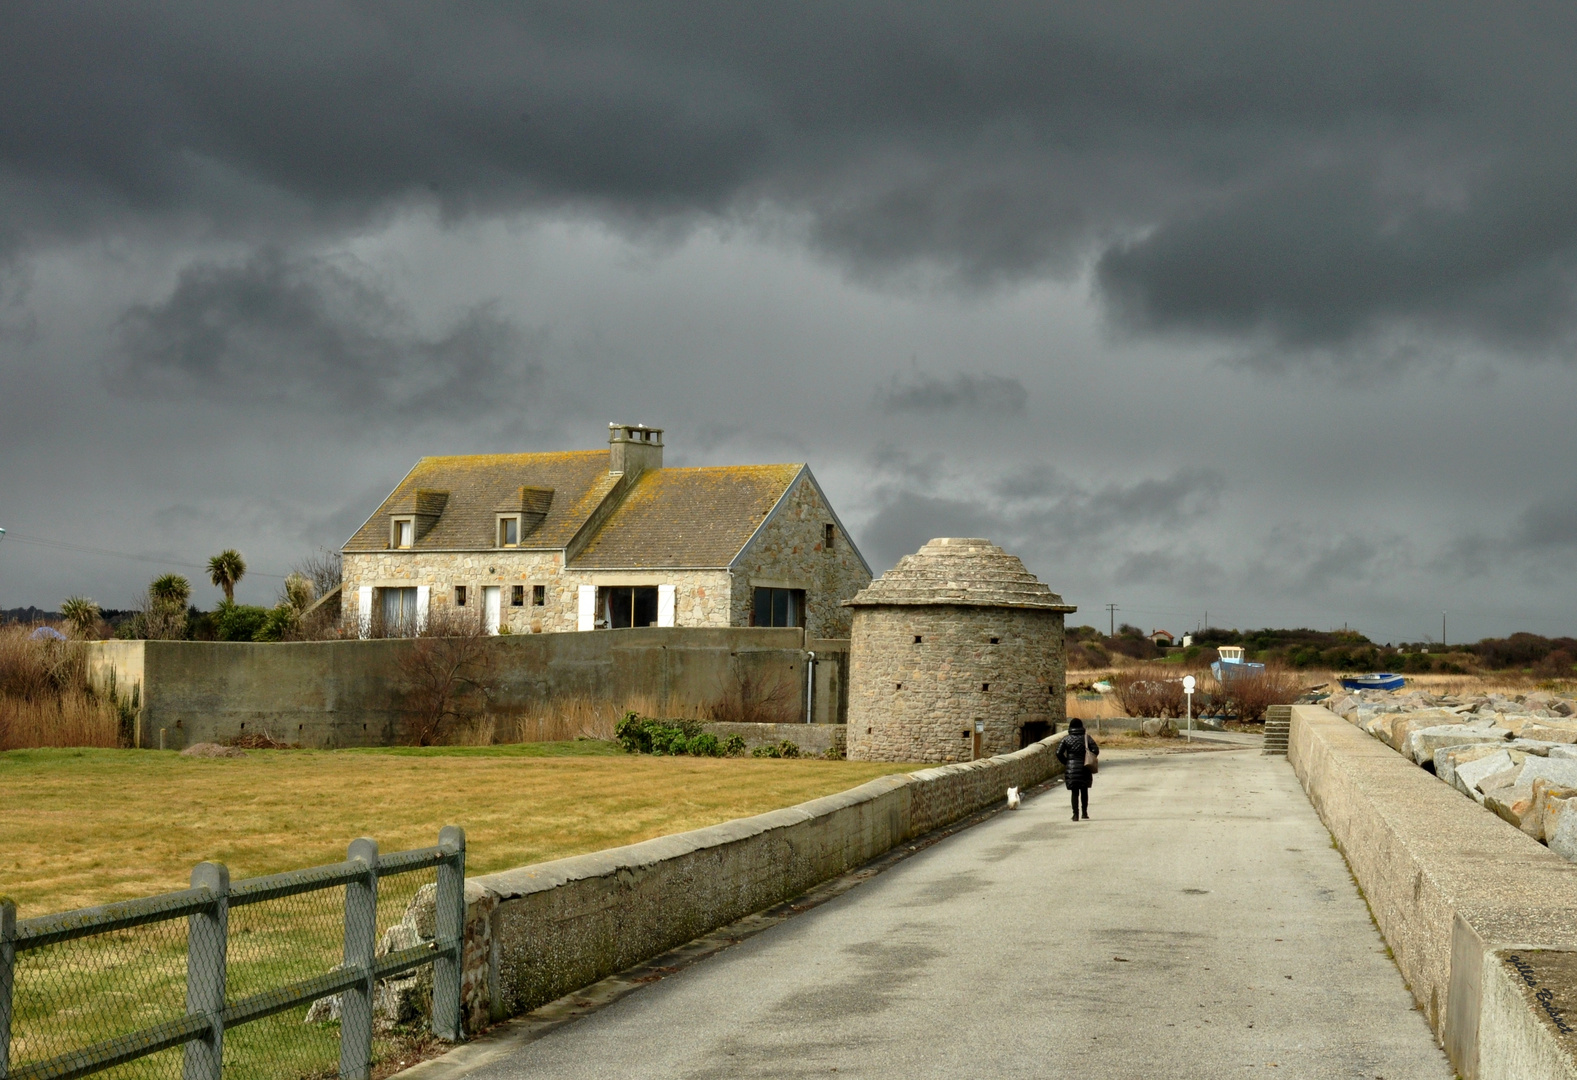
column 403, row 532
column 509, row 530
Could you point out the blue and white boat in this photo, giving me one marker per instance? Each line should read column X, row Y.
column 1375, row 680
column 1233, row 666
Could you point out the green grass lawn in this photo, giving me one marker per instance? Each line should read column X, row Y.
column 85, row 827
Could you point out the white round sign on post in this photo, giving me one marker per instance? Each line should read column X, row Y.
column 1188, row 684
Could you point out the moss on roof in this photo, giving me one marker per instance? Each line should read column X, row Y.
column 688, row 517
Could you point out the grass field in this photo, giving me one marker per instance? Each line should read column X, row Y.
column 89, row 826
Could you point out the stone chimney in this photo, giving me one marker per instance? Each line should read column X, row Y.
column 634, row 448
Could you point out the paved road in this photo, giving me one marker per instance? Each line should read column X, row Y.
column 1200, row 926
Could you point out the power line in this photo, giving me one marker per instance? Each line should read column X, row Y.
column 41, row 541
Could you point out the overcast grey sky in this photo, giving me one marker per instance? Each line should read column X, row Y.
column 1265, row 310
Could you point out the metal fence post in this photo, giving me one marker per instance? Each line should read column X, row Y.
column 449, row 930
column 361, row 932
column 207, row 933
column 7, row 968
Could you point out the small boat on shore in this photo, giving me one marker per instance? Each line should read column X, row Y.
column 1375, row 680
column 1231, row 665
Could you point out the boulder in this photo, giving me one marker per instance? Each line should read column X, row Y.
column 1543, row 791
column 1560, row 825
column 1562, row 733
column 1470, row 774
column 1557, row 770
column 1155, row 728
column 1513, row 802
column 1423, row 742
column 1449, row 758
column 1563, row 751
column 1561, row 707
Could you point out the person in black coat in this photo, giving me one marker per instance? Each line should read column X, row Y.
column 1075, row 744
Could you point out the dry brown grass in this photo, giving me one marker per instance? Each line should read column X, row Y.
column 45, row 699
column 90, row 826
column 70, row 719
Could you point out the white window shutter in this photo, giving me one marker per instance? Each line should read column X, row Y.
column 364, row 610
column 665, row 605
column 424, row 596
column 587, row 608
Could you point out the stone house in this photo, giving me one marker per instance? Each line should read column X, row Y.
column 586, row 540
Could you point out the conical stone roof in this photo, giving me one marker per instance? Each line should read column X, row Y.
column 963, row 571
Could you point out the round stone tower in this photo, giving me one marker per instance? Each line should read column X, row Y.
column 956, row 653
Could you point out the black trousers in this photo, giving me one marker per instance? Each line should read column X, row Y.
column 1080, row 794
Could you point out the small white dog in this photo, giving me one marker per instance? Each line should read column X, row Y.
column 1013, row 798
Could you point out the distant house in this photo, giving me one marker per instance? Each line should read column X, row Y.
column 1163, row 638
column 586, row 540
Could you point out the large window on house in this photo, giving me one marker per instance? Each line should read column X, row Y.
column 399, row 611
column 404, row 532
column 509, row 531
column 624, row 606
column 778, row 607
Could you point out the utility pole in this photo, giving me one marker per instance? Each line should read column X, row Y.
column 1111, row 611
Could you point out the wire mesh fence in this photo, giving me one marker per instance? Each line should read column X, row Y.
column 276, row 977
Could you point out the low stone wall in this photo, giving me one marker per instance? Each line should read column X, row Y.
column 813, row 740
column 1481, row 918
column 540, row 932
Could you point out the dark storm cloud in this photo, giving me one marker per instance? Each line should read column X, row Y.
column 309, row 332
column 1048, row 515
column 1311, row 175
column 962, row 393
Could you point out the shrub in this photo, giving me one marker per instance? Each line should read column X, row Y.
column 279, row 624
column 1149, row 692
column 644, row 735
column 1248, row 697
column 734, row 746
column 784, row 749
column 238, row 622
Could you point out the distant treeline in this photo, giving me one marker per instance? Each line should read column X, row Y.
column 1338, row 650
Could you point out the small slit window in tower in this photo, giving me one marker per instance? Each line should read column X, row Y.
column 829, row 533
column 459, row 596
column 985, row 686
column 995, row 640
column 917, row 639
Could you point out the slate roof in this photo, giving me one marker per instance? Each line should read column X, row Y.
column 699, row 517
column 480, row 485
column 965, row 571
column 688, row 517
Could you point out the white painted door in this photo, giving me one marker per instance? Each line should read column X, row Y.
column 665, row 605
column 364, row 610
column 424, row 596
column 586, row 611
column 490, row 608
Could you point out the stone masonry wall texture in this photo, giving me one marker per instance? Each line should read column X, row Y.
column 956, row 635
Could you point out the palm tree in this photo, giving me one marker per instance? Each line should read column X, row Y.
column 81, row 613
column 225, row 569
column 171, row 590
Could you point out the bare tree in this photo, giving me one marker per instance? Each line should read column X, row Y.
column 447, row 676
column 757, row 697
column 324, row 568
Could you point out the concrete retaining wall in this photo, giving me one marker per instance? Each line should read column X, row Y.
column 349, row 693
column 539, row 932
column 1481, row 918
